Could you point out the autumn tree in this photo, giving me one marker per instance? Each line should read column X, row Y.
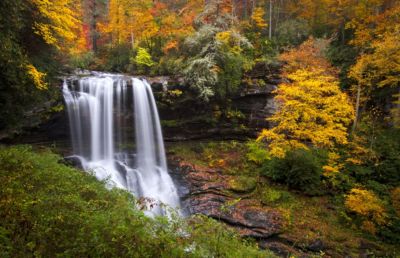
column 312, row 110
column 35, row 35
column 377, row 67
column 57, row 23
column 216, row 55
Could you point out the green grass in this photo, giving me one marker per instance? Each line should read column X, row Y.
column 48, row 209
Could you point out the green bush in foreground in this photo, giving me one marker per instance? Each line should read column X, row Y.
column 49, row 210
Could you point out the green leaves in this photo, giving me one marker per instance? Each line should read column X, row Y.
column 49, row 210
column 143, row 58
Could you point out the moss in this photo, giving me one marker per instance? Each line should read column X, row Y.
column 270, row 196
column 170, row 123
column 242, row 184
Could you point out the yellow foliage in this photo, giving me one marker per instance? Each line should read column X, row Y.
column 369, row 227
column 229, row 41
column 366, row 204
column 358, row 154
column 37, row 77
column 379, row 67
column 333, row 166
column 354, row 161
column 59, row 23
column 377, row 35
column 175, row 93
column 312, row 110
column 258, row 18
column 224, row 37
column 131, row 21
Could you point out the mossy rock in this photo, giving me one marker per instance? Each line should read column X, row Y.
column 242, row 184
column 170, row 123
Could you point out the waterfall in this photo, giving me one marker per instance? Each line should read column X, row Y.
column 116, row 133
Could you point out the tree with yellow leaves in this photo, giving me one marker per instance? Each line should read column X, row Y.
column 59, row 22
column 312, row 110
column 379, row 66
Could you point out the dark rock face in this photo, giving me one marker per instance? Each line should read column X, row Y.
column 207, row 193
column 316, row 246
column 73, row 161
column 281, row 249
column 187, row 118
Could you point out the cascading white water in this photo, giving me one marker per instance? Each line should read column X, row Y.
column 101, row 115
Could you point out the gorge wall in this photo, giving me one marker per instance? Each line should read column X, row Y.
column 183, row 116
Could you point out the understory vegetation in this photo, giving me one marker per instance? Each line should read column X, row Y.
column 339, row 209
column 49, row 209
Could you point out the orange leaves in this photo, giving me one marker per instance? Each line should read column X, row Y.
column 308, row 55
column 172, row 44
column 145, row 21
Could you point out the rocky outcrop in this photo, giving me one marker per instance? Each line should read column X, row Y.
column 209, row 193
column 185, row 118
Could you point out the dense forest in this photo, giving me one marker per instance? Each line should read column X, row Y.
column 326, row 159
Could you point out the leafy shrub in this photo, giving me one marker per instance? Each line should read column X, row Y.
column 388, row 149
column 118, row 58
column 49, row 210
column 271, row 196
column 83, row 61
column 300, row 169
column 367, row 205
column 242, row 184
column 256, row 152
column 292, row 32
column 143, row 61
column 381, row 163
column 168, row 66
column 395, row 199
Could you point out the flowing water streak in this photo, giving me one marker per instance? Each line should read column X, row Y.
column 98, row 111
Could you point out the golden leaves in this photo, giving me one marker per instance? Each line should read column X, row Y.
column 258, row 18
column 313, row 110
column 367, row 204
column 60, row 22
column 37, row 77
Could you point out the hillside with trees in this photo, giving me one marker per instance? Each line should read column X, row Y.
column 280, row 111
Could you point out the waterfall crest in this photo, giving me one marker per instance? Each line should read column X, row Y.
column 102, row 111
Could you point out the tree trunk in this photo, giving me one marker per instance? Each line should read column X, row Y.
column 357, row 108
column 245, row 9
column 93, row 27
column 270, row 20
column 132, row 40
column 278, row 9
